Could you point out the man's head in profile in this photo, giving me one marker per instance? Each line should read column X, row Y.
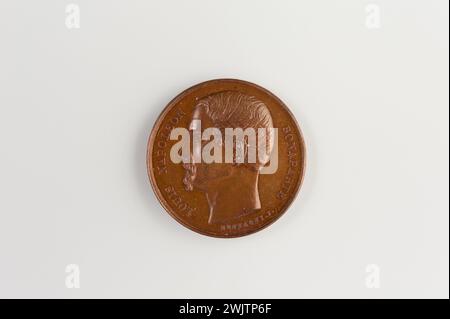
column 231, row 188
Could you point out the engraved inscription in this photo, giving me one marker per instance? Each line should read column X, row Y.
column 248, row 223
column 292, row 154
column 178, row 202
column 162, row 141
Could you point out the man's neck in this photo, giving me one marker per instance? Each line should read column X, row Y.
column 236, row 197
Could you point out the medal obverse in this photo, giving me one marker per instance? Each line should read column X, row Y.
column 226, row 158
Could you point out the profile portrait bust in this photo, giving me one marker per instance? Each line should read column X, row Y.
column 231, row 189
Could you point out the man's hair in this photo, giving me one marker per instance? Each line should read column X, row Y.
column 231, row 109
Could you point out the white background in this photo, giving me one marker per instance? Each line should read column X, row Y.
column 77, row 106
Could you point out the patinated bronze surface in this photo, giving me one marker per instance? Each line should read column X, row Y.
column 227, row 199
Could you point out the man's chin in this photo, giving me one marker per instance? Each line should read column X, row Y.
column 190, row 185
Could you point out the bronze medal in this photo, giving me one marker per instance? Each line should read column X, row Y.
column 226, row 158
